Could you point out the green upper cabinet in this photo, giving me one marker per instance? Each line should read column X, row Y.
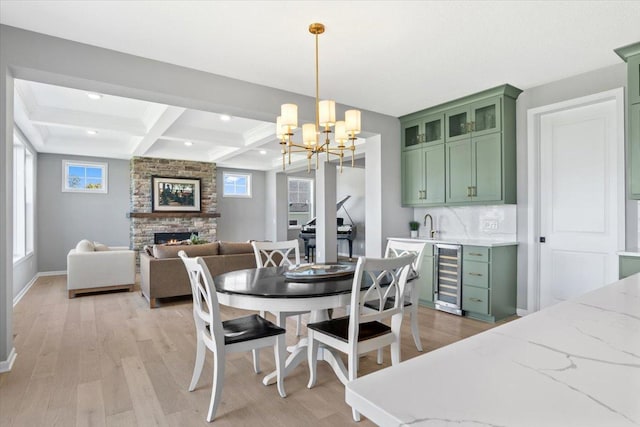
column 478, row 118
column 631, row 54
column 477, row 136
column 474, row 170
column 423, row 176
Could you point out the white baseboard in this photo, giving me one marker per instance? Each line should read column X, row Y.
column 6, row 365
column 24, row 290
column 521, row 312
column 52, row 273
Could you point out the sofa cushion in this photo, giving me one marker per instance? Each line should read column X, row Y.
column 232, row 248
column 171, row 251
column 85, row 246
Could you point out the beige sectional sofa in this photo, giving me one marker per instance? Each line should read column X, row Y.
column 163, row 274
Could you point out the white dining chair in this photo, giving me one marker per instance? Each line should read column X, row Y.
column 277, row 254
column 395, row 249
column 362, row 330
column 230, row 336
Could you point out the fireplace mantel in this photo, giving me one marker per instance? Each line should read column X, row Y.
column 173, row 215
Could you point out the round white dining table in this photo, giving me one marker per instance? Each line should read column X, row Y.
column 268, row 289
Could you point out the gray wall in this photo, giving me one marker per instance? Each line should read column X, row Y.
column 573, row 87
column 66, row 218
column 26, row 270
column 241, row 218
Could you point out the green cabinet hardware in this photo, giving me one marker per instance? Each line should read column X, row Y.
column 489, row 277
column 629, row 265
column 631, row 54
column 479, row 164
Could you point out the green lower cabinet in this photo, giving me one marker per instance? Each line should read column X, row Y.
column 475, row 300
column 489, row 282
column 629, row 265
column 425, row 281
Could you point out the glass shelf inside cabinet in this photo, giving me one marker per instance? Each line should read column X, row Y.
column 457, row 124
column 485, row 118
column 432, row 131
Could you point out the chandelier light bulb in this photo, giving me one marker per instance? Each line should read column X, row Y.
column 309, row 134
column 289, row 115
column 327, row 113
column 352, row 119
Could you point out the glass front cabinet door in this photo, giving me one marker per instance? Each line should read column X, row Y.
column 411, row 134
column 477, row 119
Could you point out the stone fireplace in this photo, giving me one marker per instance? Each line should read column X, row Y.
column 159, row 238
column 144, row 223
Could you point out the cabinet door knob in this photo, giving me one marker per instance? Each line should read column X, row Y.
column 474, row 254
column 475, row 274
column 475, row 299
column 468, row 191
column 474, row 191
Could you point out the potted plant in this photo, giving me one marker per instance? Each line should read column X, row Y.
column 414, row 226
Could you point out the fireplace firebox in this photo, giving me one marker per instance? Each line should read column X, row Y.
column 160, row 238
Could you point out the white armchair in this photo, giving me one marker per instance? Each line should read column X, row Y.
column 100, row 268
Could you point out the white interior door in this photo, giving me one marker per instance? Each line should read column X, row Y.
column 580, row 206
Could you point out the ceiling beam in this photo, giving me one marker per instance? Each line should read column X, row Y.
column 159, row 126
column 60, row 117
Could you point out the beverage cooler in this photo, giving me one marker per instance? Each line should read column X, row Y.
column 448, row 283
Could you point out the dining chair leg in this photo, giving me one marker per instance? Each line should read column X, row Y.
column 298, row 326
column 312, row 356
column 280, row 353
column 379, row 358
column 256, row 360
column 218, row 381
column 413, row 313
column 352, row 375
column 199, row 363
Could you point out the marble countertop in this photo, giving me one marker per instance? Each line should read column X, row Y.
column 453, row 241
column 576, row 363
column 630, row 252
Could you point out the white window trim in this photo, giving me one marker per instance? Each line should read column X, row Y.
column 65, row 177
column 249, row 177
column 28, row 251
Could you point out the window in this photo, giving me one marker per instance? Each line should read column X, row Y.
column 23, row 196
column 236, row 184
column 300, row 201
column 84, row 177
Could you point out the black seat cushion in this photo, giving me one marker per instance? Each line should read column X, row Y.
column 249, row 328
column 339, row 329
column 388, row 304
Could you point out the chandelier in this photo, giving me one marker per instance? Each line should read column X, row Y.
column 313, row 143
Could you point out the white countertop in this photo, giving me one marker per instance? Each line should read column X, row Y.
column 630, row 252
column 574, row 364
column 468, row 242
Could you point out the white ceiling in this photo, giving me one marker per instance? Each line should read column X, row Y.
column 392, row 57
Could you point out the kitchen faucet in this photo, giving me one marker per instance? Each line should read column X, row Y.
column 432, row 232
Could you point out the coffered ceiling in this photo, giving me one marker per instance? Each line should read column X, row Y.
column 392, row 57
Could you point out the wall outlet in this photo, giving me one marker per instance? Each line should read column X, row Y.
column 489, row 224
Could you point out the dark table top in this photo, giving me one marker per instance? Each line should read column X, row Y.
column 270, row 282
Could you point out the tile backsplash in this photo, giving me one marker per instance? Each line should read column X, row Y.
column 496, row 222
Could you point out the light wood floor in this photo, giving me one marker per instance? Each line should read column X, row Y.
column 108, row 360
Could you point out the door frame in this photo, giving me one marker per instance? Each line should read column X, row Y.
column 534, row 116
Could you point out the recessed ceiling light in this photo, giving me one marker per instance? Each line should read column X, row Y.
column 188, row 143
column 94, row 95
column 92, row 132
column 263, row 152
column 225, row 117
